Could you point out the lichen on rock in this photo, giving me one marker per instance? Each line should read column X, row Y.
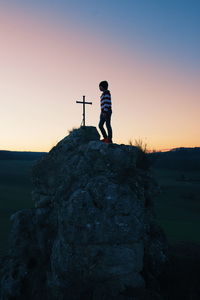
column 93, row 231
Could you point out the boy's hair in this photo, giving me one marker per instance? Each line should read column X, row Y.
column 104, row 84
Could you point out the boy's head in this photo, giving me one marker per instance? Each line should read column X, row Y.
column 103, row 85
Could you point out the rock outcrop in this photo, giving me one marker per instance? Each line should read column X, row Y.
column 93, row 231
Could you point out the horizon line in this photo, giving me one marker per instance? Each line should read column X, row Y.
column 148, row 151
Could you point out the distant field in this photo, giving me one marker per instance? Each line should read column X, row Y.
column 15, row 193
column 177, row 207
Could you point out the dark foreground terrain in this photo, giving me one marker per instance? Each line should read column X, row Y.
column 180, row 280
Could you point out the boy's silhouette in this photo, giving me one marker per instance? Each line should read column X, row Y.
column 106, row 112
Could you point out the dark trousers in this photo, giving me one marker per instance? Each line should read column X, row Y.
column 106, row 117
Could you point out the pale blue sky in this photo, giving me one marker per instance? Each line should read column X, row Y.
column 168, row 29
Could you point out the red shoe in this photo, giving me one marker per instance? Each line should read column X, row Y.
column 107, row 141
column 103, row 140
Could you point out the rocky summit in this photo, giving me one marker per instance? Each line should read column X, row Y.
column 93, row 232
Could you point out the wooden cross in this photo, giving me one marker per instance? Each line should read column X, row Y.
column 83, row 102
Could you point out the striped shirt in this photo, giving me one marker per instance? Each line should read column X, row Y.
column 106, row 104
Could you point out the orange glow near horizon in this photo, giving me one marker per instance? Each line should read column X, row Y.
column 45, row 68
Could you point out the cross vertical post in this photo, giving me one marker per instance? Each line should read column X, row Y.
column 83, row 102
column 83, row 110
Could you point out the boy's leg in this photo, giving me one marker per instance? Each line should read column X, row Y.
column 108, row 125
column 101, row 123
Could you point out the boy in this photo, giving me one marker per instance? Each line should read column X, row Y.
column 106, row 112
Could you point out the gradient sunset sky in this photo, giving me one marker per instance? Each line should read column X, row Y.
column 54, row 52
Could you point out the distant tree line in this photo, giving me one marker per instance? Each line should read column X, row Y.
column 20, row 155
column 182, row 159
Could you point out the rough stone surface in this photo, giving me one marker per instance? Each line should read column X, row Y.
column 93, row 231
